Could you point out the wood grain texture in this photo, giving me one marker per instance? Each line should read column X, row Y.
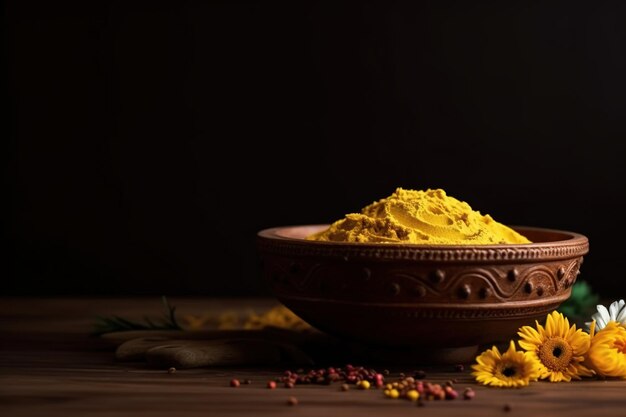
column 50, row 366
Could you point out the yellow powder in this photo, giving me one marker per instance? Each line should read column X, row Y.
column 420, row 217
column 278, row 316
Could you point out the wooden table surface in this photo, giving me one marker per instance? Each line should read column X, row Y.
column 50, row 366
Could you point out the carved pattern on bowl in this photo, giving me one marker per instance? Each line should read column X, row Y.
column 419, row 283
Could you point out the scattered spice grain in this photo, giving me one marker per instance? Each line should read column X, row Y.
column 469, row 393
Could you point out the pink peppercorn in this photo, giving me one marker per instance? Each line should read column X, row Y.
column 419, row 386
column 451, row 394
column 469, row 394
column 271, row 384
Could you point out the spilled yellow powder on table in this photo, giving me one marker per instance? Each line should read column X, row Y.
column 277, row 316
column 420, row 217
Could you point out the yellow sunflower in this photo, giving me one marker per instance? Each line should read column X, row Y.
column 559, row 348
column 510, row 369
column 607, row 353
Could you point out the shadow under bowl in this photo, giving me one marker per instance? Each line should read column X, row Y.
column 421, row 296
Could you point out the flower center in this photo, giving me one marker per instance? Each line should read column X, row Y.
column 507, row 370
column 620, row 345
column 555, row 353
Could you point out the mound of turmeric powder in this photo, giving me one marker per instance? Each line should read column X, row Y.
column 420, row 217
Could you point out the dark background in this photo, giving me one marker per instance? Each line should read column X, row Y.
column 146, row 143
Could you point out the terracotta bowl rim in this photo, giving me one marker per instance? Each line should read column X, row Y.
column 570, row 238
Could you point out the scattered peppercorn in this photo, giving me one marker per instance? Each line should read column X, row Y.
column 234, row 383
column 350, row 375
column 451, row 394
column 171, row 370
column 247, row 381
column 363, row 384
column 411, row 388
column 459, row 367
column 292, row 401
column 507, row 408
column 392, row 393
column 412, row 395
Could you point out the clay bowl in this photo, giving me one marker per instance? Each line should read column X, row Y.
column 427, row 296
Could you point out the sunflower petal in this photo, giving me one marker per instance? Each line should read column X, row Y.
column 550, row 325
column 579, row 342
column 584, row 371
column 511, row 350
column 592, row 329
column 564, row 325
column 529, row 336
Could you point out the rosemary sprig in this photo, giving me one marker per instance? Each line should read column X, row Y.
column 119, row 324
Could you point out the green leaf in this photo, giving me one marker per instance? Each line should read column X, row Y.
column 581, row 303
